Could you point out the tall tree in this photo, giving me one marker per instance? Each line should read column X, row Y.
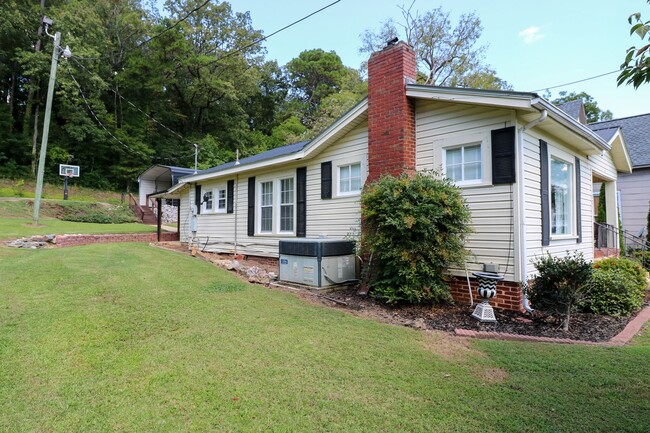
column 447, row 55
column 592, row 111
column 635, row 69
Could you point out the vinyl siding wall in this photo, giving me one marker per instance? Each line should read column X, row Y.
column 145, row 187
column 492, row 206
column 635, row 198
column 599, row 165
column 336, row 218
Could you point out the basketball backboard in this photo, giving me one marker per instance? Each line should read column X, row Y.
column 68, row 170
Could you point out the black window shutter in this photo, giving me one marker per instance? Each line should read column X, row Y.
column 251, row 206
column 301, row 201
column 197, row 198
column 326, row 179
column 546, row 212
column 503, row 155
column 230, row 196
column 578, row 202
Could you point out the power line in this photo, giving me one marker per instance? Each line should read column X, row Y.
column 257, row 41
column 578, row 81
column 176, row 23
column 92, row 112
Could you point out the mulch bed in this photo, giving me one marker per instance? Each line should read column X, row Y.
column 583, row 326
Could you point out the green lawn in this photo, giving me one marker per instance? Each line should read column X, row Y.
column 12, row 228
column 126, row 337
column 16, row 221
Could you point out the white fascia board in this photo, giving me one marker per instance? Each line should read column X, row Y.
column 237, row 169
column 321, row 139
column 569, row 122
column 514, row 100
column 336, row 127
column 620, row 150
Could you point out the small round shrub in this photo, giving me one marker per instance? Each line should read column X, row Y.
column 630, row 267
column 618, row 287
column 561, row 285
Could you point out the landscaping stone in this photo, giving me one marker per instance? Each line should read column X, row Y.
column 33, row 242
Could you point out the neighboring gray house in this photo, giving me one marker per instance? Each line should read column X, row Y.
column 634, row 188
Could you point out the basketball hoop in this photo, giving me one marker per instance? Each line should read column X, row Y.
column 67, row 171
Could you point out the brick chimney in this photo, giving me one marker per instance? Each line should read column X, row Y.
column 391, row 115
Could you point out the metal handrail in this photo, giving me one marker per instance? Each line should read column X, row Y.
column 603, row 233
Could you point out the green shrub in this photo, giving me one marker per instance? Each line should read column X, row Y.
column 617, row 288
column 95, row 213
column 562, row 283
column 643, row 257
column 414, row 228
column 631, row 268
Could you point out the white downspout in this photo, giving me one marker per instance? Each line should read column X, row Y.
column 522, row 207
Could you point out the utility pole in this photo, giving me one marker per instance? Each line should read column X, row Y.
column 46, row 121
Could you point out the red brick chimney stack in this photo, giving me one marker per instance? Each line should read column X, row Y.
column 391, row 115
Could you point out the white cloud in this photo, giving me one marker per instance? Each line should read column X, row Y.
column 531, row 34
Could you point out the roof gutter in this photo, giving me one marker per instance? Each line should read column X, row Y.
column 569, row 122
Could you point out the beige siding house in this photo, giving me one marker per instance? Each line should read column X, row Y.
column 525, row 168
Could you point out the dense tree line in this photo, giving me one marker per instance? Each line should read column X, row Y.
column 140, row 87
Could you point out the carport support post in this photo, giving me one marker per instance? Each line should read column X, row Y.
column 159, row 206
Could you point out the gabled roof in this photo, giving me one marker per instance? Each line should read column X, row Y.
column 291, row 152
column 636, row 130
column 526, row 103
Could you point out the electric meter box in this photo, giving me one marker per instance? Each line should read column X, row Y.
column 317, row 262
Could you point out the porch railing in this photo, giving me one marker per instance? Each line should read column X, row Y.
column 135, row 207
column 607, row 236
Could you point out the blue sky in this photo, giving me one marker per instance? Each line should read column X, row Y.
column 531, row 44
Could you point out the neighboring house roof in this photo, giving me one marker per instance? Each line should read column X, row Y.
column 156, row 171
column 636, row 130
column 575, row 109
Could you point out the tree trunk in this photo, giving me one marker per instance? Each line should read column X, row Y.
column 567, row 317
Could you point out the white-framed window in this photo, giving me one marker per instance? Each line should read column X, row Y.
column 465, row 158
column 349, row 176
column 221, row 200
column 286, row 205
column 208, row 202
column 464, row 164
column 266, row 207
column 562, row 196
column 277, row 206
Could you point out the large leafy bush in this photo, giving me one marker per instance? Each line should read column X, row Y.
column 414, row 228
column 562, row 283
column 618, row 287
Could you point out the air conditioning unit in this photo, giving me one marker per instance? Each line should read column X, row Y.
column 317, row 262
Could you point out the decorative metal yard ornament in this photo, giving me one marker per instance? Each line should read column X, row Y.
column 487, row 288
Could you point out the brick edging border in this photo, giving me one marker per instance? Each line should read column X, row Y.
column 631, row 329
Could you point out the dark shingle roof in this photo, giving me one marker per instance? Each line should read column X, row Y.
column 269, row 154
column 636, row 133
column 572, row 108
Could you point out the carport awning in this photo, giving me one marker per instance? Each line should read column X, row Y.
column 165, row 173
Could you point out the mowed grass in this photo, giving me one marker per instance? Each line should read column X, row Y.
column 16, row 220
column 126, row 337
